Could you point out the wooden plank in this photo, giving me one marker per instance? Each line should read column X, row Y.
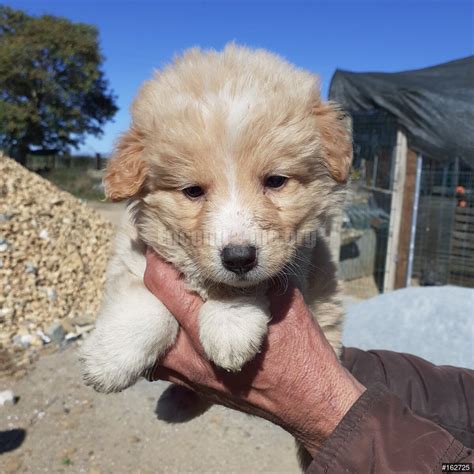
column 406, row 220
column 396, row 209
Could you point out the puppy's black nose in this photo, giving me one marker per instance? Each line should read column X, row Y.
column 239, row 258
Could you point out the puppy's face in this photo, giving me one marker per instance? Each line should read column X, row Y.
column 230, row 172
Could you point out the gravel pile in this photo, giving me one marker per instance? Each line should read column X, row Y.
column 53, row 254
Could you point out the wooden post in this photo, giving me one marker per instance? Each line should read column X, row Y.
column 403, row 250
column 334, row 235
column 396, row 210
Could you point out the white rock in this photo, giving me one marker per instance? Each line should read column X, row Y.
column 52, row 295
column 43, row 336
column 7, row 396
column 5, row 312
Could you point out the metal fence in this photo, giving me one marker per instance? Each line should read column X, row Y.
column 396, row 231
column 444, row 245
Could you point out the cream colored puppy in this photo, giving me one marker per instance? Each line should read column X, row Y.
column 232, row 166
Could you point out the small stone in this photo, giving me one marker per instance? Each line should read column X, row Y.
column 43, row 336
column 70, row 336
column 81, row 330
column 83, row 320
column 30, row 268
column 35, row 341
column 23, row 340
column 5, row 312
column 56, row 332
column 52, row 294
column 44, row 234
column 7, row 396
column 3, row 247
column 68, row 327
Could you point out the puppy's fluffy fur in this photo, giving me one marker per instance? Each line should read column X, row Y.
column 223, row 121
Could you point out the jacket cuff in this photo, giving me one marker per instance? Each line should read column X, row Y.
column 381, row 434
column 338, row 442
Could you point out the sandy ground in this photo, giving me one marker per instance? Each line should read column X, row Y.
column 67, row 427
column 59, row 425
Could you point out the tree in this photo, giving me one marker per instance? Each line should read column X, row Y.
column 52, row 89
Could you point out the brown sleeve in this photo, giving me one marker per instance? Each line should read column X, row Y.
column 381, row 434
column 442, row 394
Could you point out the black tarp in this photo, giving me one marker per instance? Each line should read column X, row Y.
column 434, row 105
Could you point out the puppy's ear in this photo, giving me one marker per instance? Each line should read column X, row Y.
column 335, row 128
column 126, row 170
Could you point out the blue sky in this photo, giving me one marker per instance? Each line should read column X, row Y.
column 379, row 35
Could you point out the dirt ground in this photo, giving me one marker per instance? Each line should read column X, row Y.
column 58, row 425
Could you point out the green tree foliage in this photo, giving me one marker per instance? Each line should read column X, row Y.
column 52, row 88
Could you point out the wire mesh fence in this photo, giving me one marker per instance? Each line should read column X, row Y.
column 444, row 248
column 439, row 205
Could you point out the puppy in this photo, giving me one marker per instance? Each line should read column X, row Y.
column 232, row 166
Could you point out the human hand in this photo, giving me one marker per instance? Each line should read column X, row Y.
column 296, row 381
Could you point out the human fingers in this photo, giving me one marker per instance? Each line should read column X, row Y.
column 167, row 284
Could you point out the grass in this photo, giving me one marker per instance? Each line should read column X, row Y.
column 77, row 181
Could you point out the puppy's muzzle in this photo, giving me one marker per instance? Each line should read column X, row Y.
column 239, row 258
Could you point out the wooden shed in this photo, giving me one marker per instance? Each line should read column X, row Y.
column 414, row 163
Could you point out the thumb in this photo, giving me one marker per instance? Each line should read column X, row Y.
column 167, row 284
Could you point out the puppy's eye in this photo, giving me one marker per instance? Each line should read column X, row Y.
column 275, row 181
column 193, row 192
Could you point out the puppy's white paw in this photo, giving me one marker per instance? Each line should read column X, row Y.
column 131, row 334
column 232, row 332
column 105, row 367
column 111, row 363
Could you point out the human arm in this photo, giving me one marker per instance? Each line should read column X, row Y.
column 297, row 383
